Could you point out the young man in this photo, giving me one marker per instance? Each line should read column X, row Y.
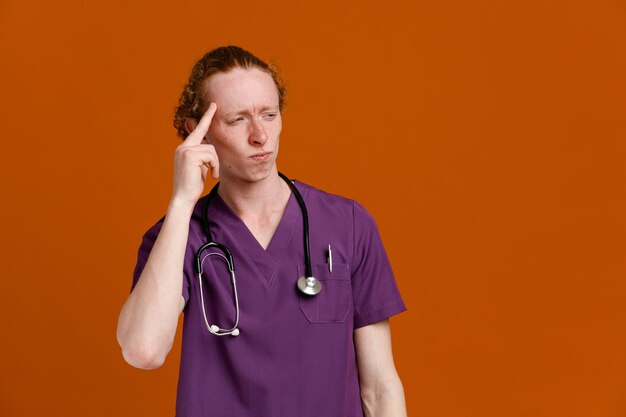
column 303, row 347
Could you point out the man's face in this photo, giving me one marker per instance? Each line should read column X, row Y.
column 247, row 124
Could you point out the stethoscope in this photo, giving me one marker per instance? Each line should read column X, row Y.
column 307, row 284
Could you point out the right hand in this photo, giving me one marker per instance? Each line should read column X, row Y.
column 192, row 160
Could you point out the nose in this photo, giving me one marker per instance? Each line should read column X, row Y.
column 258, row 135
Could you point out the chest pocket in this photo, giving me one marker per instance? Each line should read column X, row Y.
column 333, row 303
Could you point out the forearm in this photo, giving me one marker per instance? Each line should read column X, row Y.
column 384, row 402
column 148, row 320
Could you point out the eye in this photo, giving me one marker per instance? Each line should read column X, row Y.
column 270, row 116
column 233, row 121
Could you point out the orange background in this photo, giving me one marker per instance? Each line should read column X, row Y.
column 486, row 138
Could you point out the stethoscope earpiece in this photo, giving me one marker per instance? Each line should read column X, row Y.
column 219, row 332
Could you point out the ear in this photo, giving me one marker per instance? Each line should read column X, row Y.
column 190, row 124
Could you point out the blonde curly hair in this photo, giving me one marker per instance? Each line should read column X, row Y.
column 192, row 101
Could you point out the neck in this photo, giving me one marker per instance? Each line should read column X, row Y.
column 252, row 199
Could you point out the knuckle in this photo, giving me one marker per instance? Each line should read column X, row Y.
column 186, row 152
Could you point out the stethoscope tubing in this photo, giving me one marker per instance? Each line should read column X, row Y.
column 214, row 329
column 305, row 225
column 311, row 288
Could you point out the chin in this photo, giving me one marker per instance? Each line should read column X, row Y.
column 257, row 174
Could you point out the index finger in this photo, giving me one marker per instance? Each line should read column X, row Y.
column 195, row 137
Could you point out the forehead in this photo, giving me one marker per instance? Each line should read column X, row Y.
column 241, row 89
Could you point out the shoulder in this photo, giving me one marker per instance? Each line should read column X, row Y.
column 317, row 197
column 335, row 203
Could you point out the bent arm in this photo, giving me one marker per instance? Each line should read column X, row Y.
column 382, row 394
column 147, row 322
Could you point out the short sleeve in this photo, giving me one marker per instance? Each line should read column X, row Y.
column 374, row 290
column 147, row 242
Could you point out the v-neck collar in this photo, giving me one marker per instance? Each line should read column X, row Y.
column 265, row 262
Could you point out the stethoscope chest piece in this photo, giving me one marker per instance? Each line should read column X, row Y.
column 309, row 286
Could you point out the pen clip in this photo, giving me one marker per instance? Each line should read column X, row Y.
column 329, row 259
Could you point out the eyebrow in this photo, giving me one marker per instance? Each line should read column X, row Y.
column 244, row 112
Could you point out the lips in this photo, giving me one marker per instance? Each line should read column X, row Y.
column 261, row 156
